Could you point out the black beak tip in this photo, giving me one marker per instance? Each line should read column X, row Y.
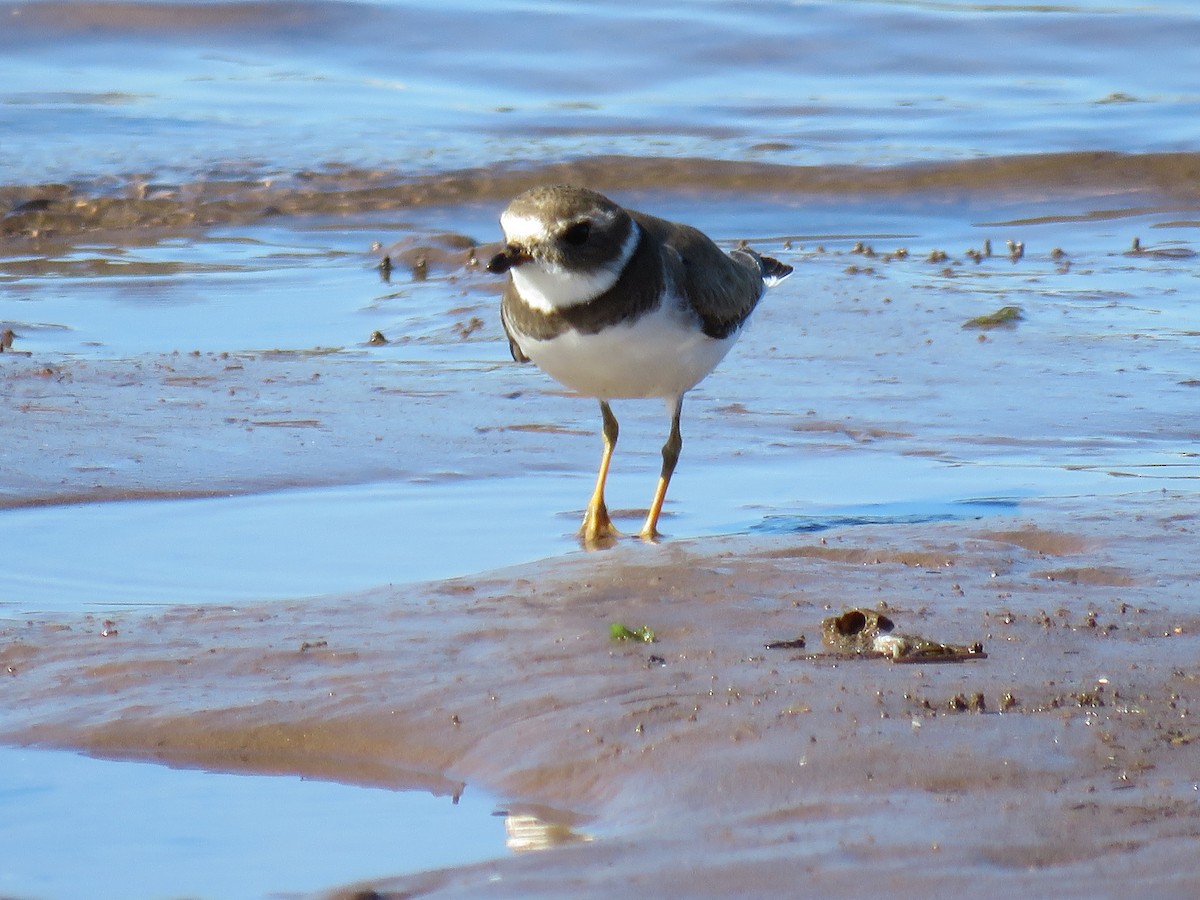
column 510, row 256
column 500, row 263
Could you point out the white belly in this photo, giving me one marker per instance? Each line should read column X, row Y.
column 659, row 355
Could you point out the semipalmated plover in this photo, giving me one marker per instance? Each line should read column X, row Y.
column 617, row 304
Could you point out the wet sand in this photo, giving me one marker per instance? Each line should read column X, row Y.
column 1027, row 486
column 704, row 764
column 237, row 358
column 50, row 216
column 198, row 201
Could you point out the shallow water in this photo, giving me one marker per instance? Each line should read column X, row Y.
column 195, row 199
column 338, row 468
column 137, row 830
column 173, row 91
column 330, row 540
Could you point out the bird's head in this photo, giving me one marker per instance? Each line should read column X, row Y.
column 564, row 245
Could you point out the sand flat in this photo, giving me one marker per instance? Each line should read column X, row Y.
column 704, row 764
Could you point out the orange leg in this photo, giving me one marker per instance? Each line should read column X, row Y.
column 597, row 527
column 670, row 455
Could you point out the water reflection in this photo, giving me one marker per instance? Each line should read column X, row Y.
column 526, row 831
column 80, row 827
column 902, row 514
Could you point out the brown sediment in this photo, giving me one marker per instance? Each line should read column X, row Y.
column 535, row 428
column 921, row 559
column 444, row 250
column 862, row 434
column 1107, row 575
column 174, row 426
column 702, row 764
column 59, row 212
column 1039, row 540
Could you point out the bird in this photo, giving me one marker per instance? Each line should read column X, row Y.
column 617, row 304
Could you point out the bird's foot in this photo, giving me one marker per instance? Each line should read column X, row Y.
column 650, row 534
column 597, row 529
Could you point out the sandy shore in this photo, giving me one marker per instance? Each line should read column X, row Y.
column 239, row 287
column 704, row 764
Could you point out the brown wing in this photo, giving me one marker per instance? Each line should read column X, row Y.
column 722, row 288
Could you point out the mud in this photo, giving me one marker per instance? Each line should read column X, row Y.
column 240, row 299
column 53, row 216
column 701, row 764
column 965, row 489
column 204, row 424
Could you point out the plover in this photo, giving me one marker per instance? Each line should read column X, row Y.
column 616, row 304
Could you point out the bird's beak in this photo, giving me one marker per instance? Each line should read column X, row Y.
column 510, row 256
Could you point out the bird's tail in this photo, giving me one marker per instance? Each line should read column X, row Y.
column 772, row 270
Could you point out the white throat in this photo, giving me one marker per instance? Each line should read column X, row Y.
column 550, row 287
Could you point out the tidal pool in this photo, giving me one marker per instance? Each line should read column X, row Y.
column 74, row 826
column 303, row 542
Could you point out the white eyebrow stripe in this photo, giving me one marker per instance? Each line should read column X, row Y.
column 520, row 229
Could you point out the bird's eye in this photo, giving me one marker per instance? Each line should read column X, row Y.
column 578, row 233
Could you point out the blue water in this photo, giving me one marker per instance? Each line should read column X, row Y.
column 190, row 90
column 80, row 827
